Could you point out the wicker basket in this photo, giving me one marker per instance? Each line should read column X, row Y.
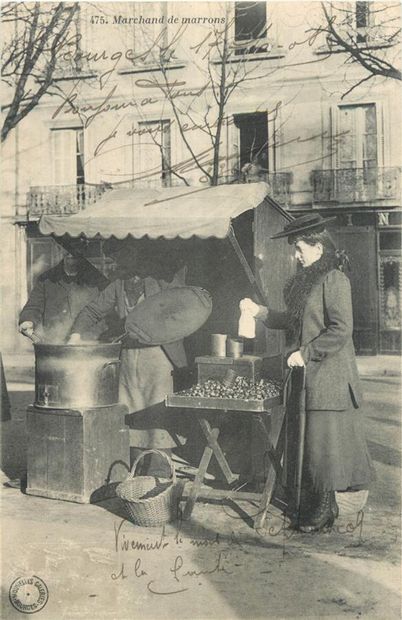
column 150, row 501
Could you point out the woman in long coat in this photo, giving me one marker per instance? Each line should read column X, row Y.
column 319, row 326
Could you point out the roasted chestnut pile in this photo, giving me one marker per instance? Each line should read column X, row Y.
column 242, row 387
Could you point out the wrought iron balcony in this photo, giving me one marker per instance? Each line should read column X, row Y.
column 356, row 185
column 62, row 199
column 69, row 199
column 279, row 183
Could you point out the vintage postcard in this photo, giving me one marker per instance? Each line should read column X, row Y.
column 201, row 309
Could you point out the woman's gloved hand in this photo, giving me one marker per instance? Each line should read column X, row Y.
column 27, row 328
column 249, row 312
column 296, row 359
column 256, row 310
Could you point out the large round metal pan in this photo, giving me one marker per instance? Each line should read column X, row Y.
column 170, row 315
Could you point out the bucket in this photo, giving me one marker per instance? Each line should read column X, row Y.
column 234, row 347
column 218, row 345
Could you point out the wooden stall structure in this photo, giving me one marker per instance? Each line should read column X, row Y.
column 223, row 235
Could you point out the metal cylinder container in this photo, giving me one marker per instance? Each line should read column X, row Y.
column 218, row 345
column 77, row 376
column 234, row 347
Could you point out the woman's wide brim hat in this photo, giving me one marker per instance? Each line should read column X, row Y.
column 306, row 223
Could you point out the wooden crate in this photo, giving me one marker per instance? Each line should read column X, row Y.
column 210, row 367
column 72, row 452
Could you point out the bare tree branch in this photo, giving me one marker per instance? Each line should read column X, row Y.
column 179, row 123
column 370, row 53
column 365, row 79
column 30, row 57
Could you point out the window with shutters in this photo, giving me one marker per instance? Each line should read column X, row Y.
column 253, row 137
column 363, row 25
column 154, row 161
column 250, row 21
column 362, row 21
column 358, row 136
column 150, row 33
column 68, row 156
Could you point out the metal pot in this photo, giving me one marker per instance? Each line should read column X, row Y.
column 76, row 376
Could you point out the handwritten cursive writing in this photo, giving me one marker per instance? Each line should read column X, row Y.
column 178, row 571
column 122, row 543
column 337, row 528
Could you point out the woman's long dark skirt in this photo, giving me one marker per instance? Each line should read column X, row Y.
column 336, row 456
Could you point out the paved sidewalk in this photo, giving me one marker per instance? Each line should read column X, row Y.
column 379, row 365
column 95, row 564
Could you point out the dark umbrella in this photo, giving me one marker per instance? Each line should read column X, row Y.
column 5, row 400
column 302, row 432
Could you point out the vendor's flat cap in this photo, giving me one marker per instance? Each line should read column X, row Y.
column 306, row 223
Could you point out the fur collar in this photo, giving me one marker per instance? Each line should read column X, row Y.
column 297, row 290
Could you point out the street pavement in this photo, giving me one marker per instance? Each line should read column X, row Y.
column 96, row 564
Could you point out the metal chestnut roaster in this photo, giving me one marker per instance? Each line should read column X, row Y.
column 69, row 376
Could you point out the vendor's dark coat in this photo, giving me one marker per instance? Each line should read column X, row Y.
column 55, row 301
column 326, row 343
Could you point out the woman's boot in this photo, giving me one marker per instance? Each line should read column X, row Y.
column 323, row 516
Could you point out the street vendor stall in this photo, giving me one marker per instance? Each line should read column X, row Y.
column 190, row 218
column 198, row 223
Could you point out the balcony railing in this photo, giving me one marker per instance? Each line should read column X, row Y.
column 69, row 199
column 62, row 199
column 356, row 185
column 152, row 182
column 279, row 183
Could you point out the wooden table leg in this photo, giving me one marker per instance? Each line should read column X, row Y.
column 278, row 445
column 217, row 450
column 265, row 499
column 199, row 478
column 274, row 453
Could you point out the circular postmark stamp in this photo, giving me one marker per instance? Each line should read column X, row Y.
column 28, row 594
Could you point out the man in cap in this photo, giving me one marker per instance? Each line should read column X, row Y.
column 55, row 301
column 58, row 296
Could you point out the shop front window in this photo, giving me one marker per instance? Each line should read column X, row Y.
column 390, row 293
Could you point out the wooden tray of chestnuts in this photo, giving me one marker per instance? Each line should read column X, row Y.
column 229, row 394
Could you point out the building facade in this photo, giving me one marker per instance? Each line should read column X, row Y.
column 137, row 105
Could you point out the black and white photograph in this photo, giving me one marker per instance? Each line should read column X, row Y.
column 201, row 256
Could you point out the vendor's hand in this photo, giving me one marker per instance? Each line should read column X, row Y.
column 257, row 311
column 27, row 328
column 74, row 339
column 296, row 359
